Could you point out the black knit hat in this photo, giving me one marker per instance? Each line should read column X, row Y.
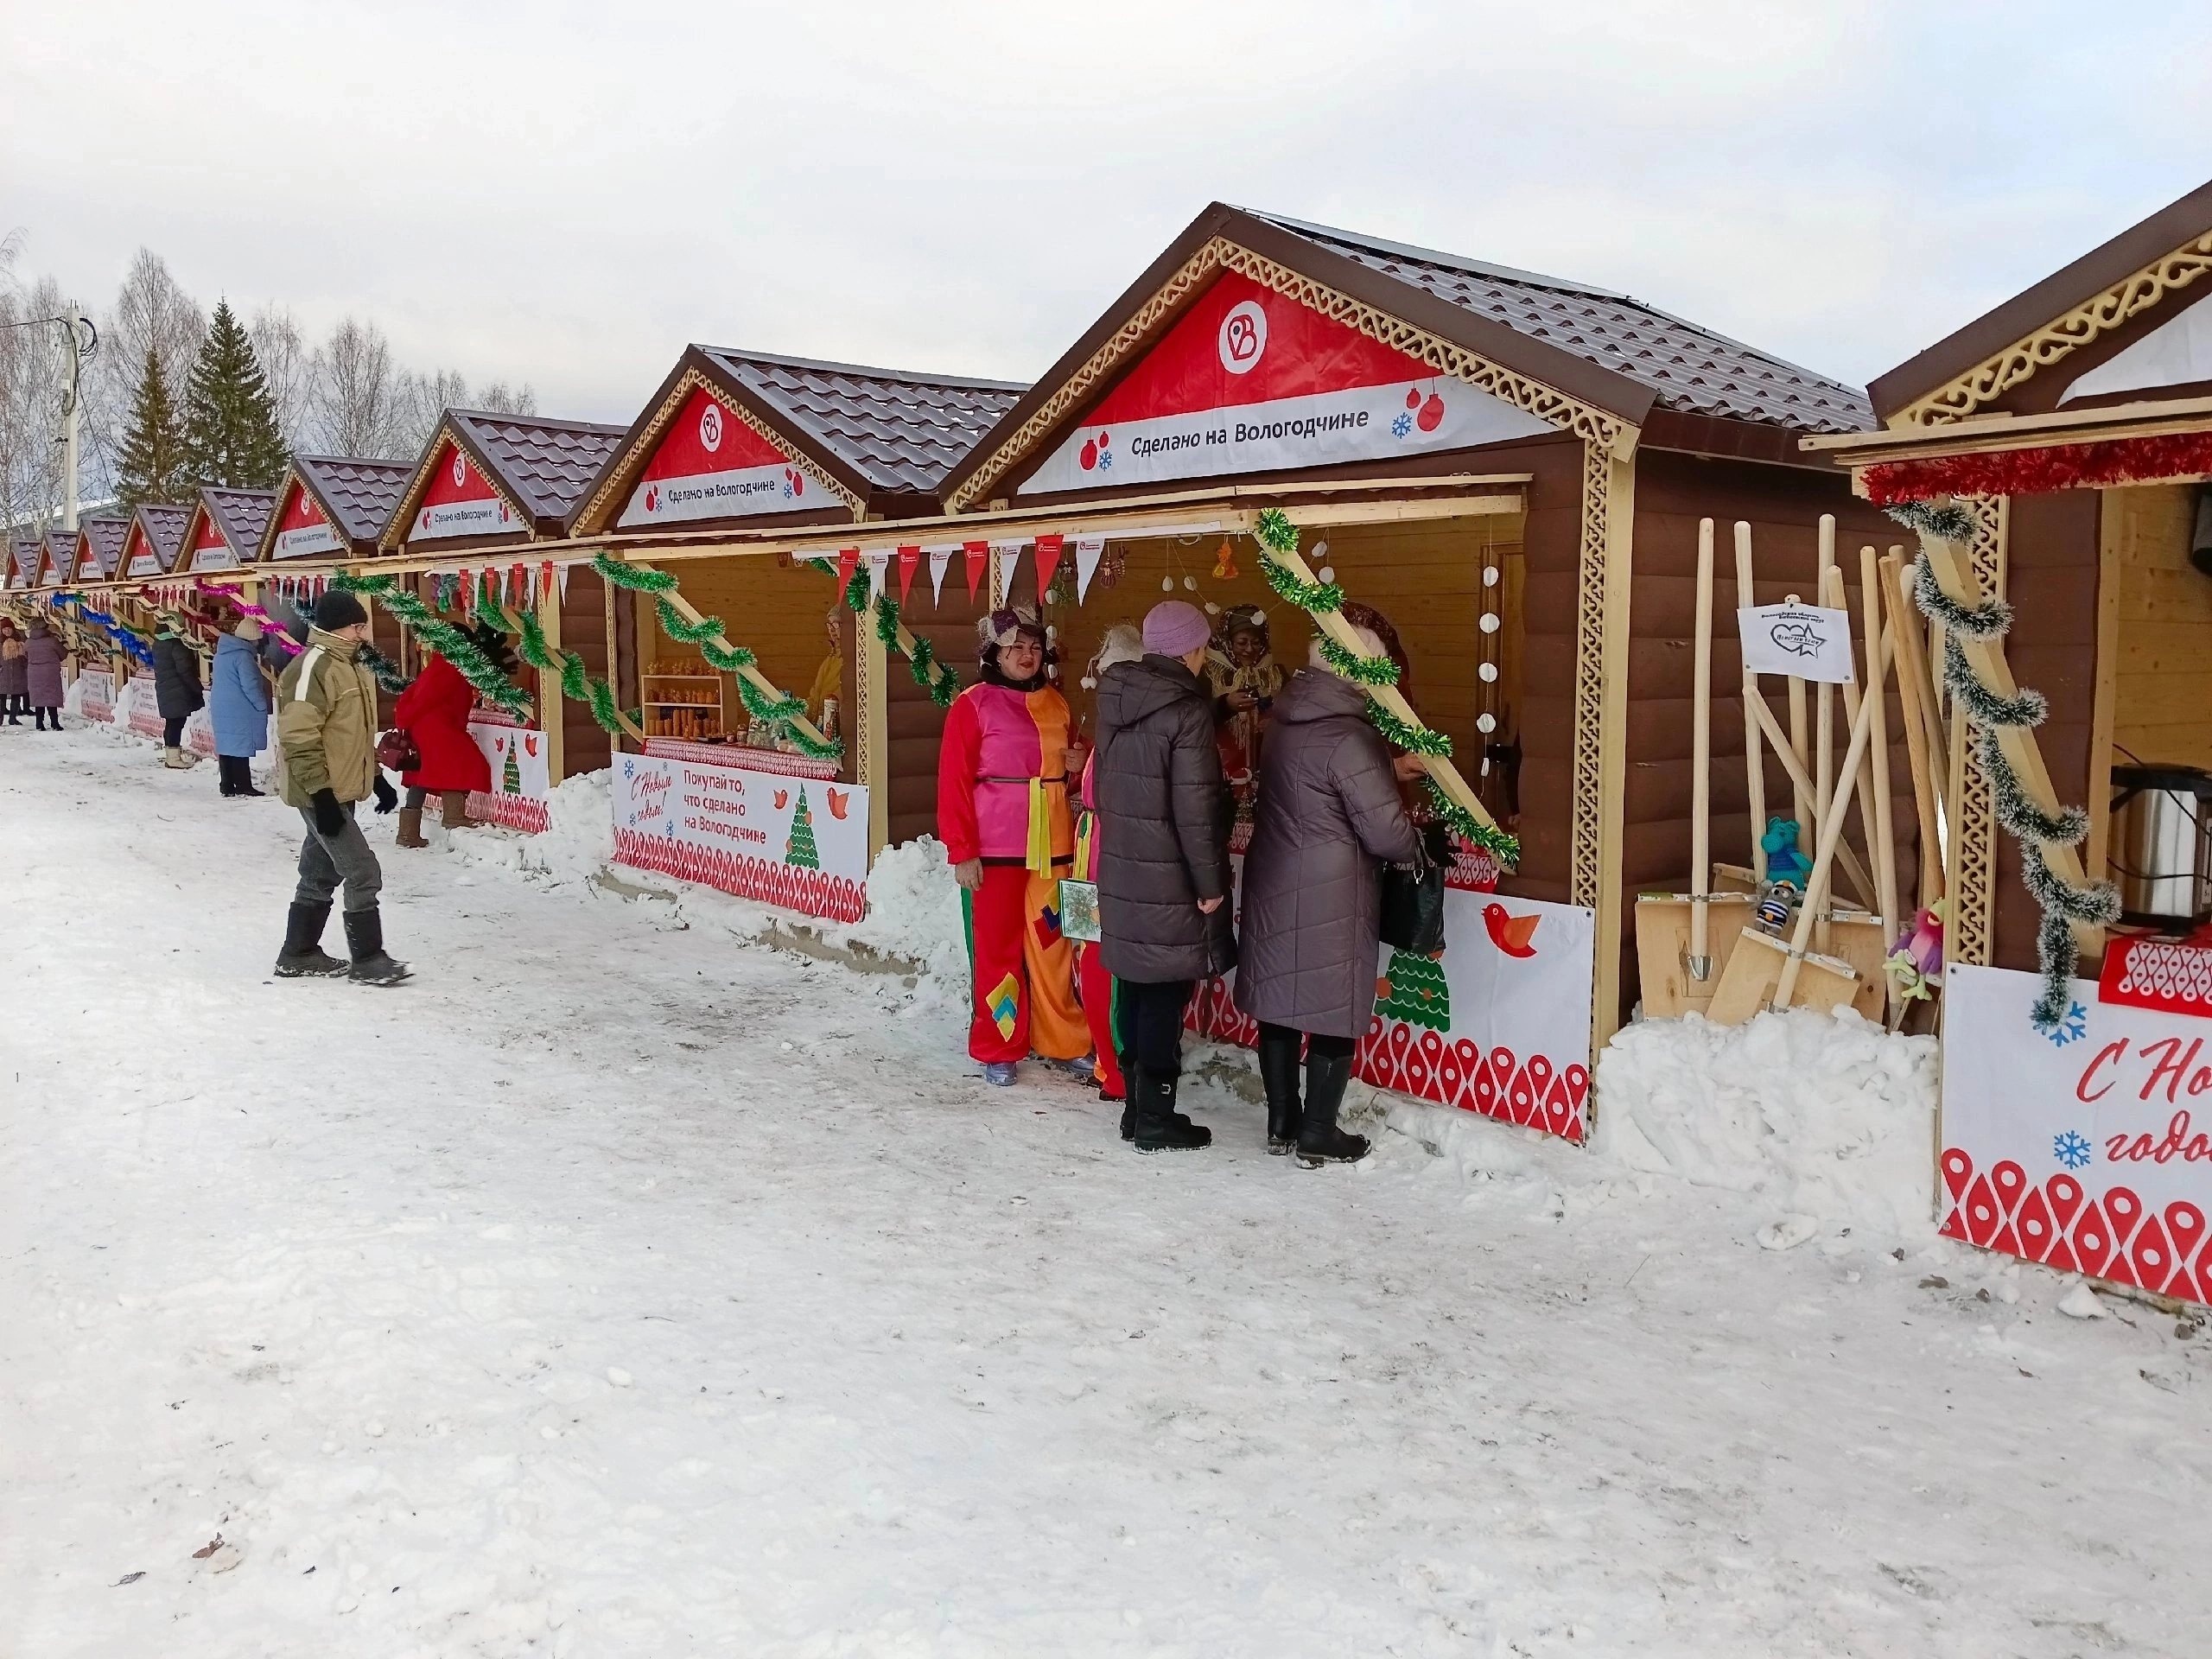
column 338, row 609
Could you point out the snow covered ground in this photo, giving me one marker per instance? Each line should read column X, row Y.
column 618, row 1288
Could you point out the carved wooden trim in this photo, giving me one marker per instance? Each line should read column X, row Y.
column 1994, row 375
column 1970, row 926
column 1544, row 402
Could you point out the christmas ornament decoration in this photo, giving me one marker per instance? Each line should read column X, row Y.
column 2033, row 471
column 2094, row 903
column 1224, row 563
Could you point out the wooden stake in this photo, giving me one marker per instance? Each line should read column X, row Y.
column 1754, row 761
column 1700, row 953
column 1833, row 596
column 1859, row 880
column 1885, row 846
column 1816, row 884
column 1904, row 630
column 1824, row 697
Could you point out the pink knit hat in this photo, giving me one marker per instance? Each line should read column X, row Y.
column 1172, row 628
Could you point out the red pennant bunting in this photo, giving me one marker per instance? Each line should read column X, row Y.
column 848, row 560
column 545, row 580
column 979, row 558
column 909, row 558
column 1048, row 560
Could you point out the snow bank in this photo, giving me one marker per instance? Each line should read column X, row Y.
column 1826, row 1116
column 575, row 846
column 913, row 911
column 126, row 699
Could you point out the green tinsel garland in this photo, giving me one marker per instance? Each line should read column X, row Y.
column 932, row 677
column 624, row 575
column 1471, row 829
column 577, row 683
column 1365, row 671
column 2096, row 904
column 449, row 641
column 387, row 671
column 1415, row 740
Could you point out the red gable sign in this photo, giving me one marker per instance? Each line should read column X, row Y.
column 1248, row 380
column 460, row 501
column 139, row 558
column 209, row 550
column 302, row 529
column 711, row 465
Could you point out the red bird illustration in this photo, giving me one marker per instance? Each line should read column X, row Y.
column 529, row 748
column 839, row 802
column 783, row 799
column 1514, row 935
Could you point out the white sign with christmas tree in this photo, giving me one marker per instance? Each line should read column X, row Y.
column 800, row 843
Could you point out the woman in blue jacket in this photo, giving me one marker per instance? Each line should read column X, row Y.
column 239, row 707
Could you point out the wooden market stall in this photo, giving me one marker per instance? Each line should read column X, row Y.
column 487, row 487
column 101, row 667
column 2055, row 454
column 1512, row 466
column 736, row 443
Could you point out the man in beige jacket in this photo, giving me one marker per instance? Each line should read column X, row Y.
column 326, row 727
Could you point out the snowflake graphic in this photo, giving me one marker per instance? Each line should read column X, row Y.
column 1403, row 425
column 1105, row 459
column 2070, row 1149
column 2073, row 1027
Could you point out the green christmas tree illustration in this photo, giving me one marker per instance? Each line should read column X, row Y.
column 510, row 778
column 1415, row 992
column 799, row 850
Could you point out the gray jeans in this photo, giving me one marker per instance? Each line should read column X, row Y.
column 326, row 861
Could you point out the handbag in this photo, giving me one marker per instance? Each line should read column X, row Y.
column 1412, row 895
column 396, row 751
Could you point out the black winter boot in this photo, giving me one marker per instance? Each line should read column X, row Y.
column 303, row 955
column 39, row 715
column 1160, row 1127
column 1131, row 1085
column 1279, row 1077
column 365, row 938
column 1319, row 1141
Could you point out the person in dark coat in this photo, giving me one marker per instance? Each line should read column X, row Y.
column 434, row 711
column 1163, row 862
column 15, row 673
column 177, row 692
column 237, row 707
column 43, row 654
column 1329, row 816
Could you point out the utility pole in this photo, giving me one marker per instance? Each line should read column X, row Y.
column 79, row 347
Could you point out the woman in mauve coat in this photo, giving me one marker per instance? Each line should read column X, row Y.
column 43, row 655
column 434, row 712
column 237, row 707
column 1328, row 818
column 15, row 673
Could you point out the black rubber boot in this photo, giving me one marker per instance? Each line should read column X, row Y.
column 1319, row 1141
column 1160, row 1127
column 39, row 715
column 1132, row 1082
column 1279, row 1077
column 303, row 956
column 365, row 938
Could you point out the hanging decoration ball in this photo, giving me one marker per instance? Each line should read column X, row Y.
column 1190, row 582
column 1167, row 584
column 1326, row 573
column 1489, row 624
column 1489, row 575
column 1486, row 723
column 1212, row 609
column 1488, row 671
column 1090, row 682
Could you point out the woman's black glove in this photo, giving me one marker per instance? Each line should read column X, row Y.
column 387, row 797
column 329, row 817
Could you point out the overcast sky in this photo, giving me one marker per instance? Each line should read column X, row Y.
column 566, row 194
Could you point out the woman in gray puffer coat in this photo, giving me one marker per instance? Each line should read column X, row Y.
column 1327, row 819
column 1163, row 861
column 43, row 655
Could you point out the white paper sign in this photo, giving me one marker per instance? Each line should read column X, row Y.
column 1808, row 641
column 800, row 843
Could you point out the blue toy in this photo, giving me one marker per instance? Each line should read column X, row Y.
column 1784, row 862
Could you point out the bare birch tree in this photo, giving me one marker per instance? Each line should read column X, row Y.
column 352, row 395
column 286, row 364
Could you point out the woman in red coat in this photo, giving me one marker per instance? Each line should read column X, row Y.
column 434, row 712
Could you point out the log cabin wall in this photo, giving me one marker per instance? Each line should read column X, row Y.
column 1784, row 506
column 585, row 745
column 915, row 725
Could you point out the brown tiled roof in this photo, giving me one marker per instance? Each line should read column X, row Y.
column 105, row 533
column 359, row 495
column 900, row 432
column 241, row 515
column 1690, row 370
column 165, row 527
column 23, row 561
column 548, row 465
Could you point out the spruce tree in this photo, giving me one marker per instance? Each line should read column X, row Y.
column 231, row 434
column 152, row 466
